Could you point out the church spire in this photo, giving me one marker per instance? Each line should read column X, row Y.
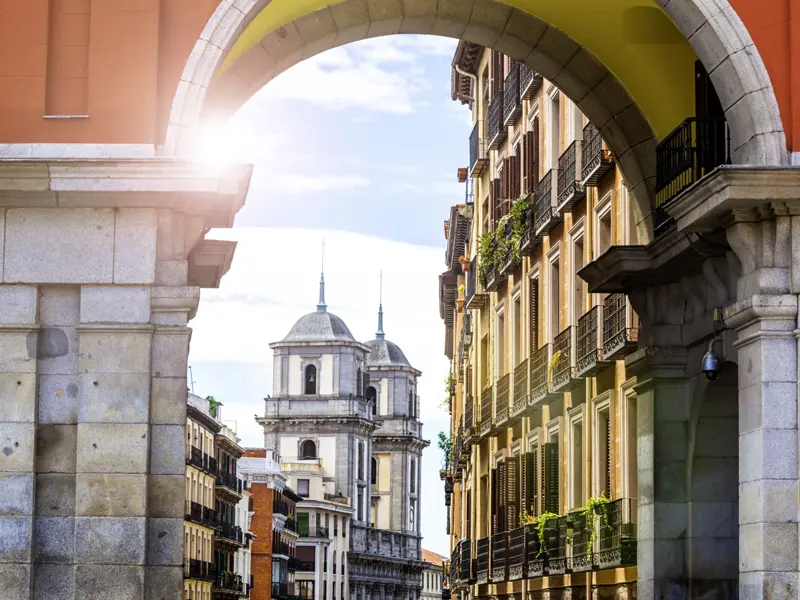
column 380, row 335
column 321, row 306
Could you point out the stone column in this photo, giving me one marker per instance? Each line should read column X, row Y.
column 99, row 275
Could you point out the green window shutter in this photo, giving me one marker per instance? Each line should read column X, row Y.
column 512, row 493
column 551, row 477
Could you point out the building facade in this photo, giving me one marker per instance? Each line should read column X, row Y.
column 433, row 578
column 339, row 432
column 541, row 477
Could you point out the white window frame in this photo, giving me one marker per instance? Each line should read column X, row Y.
column 627, row 392
column 601, row 209
column 576, row 233
column 553, row 255
column 599, row 404
column 552, row 149
column 553, row 429
column 499, row 312
column 576, row 416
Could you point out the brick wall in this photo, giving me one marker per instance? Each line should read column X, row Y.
column 261, row 552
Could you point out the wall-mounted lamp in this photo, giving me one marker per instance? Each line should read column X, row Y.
column 712, row 362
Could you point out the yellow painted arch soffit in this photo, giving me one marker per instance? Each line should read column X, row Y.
column 634, row 39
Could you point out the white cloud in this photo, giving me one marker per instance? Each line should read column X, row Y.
column 298, row 183
column 274, row 281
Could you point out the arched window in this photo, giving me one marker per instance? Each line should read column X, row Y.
column 413, row 477
column 311, row 380
column 308, row 449
column 361, row 460
column 359, row 384
column 373, row 475
column 372, row 396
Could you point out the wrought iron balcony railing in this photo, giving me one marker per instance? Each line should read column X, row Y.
column 494, row 276
column 562, row 367
column 545, row 215
column 539, row 365
column 229, row 581
column 229, row 481
column 521, row 376
column 570, row 188
column 581, row 559
column 474, row 296
column 280, row 507
column 695, row 148
column 596, row 159
column 199, row 569
column 314, row 532
column 230, row 532
column 512, row 101
column 211, row 465
column 487, row 417
column 529, row 82
column 465, row 562
column 589, row 359
column 469, row 415
column 499, row 557
column 529, row 240
column 195, row 458
column 497, row 131
column 482, row 561
column 535, row 555
column 501, row 413
column 478, row 155
column 510, row 261
column 556, row 541
column 620, row 337
column 194, row 512
column 516, row 554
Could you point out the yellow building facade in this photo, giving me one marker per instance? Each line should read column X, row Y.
column 541, row 478
column 200, row 511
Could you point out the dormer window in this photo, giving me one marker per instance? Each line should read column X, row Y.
column 310, row 380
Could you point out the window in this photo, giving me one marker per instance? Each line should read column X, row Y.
column 579, row 289
column 361, row 460
column 412, row 513
column 372, row 397
column 325, row 560
column 308, row 450
column 360, row 507
column 303, row 487
column 341, row 568
column 303, row 523
column 484, row 361
column 373, row 474
column 603, row 453
column 554, row 133
column 335, row 525
column 533, row 313
column 334, row 563
column 555, row 298
column 576, row 458
column 500, row 348
column 603, row 225
column 413, row 476
column 517, row 317
column 310, row 379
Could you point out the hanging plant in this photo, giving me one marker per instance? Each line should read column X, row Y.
column 595, row 507
column 486, row 250
column 540, row 526
column 446, row 446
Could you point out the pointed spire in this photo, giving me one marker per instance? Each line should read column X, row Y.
column 321, row 306
column 380, row 335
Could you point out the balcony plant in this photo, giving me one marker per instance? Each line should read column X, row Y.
column 486, row 256
column 541, row 525
column 595, row 507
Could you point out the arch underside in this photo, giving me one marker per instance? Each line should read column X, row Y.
column 233, row 60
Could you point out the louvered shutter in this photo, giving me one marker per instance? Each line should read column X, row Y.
column 523, row 483
column 533, row 315
column 468, row 533
column 608, row 458
column 512, row 494
column 497, row 72
column 494, row 500
column 526, row 161
column 502, row 482
column 535, row 152
column 551, row 477
column 531, row 173
column 492, row 203
column 531, row 483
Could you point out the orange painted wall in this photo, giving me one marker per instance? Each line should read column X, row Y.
column 137, row 50
column 261, row 549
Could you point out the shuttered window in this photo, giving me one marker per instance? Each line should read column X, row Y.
column 468, row 533
column 533, row 313
column 531, row 499
column 492, row 202
column 550, row 477
column 497, row 72
column 502, row 482
column 512, row 494
column 494, row 500
column 608, row 458
column 531, row 157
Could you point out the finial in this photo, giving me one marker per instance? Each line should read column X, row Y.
column 321, row 306
column 380, row 335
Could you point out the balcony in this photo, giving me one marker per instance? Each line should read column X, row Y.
column 210, row 518
column 535, row 555
column 280, row 507
column 482, row 561
column 516, row 553
column 211, row 465
column 308, row 531
column 497, row 131
column 231, row 533
column 529, row 240
column 230, row 482
column 486, row 412
column 539, row 364
column 465, row 562
column 199, row 569
column 475, row 296
column 499, row 557
column 529, row 82
column 520, row 399
column 282, row 549
column 613, row 528
column 501, row 413
column 570, row 188
column 194, row 512
column 562, row 369
column 545, row 215
column 510, row 260
column 280, row 590
column 305, row 566
column 229, row 582
column 589, row 359
column 478, row 156
column 582, row 558
column 494, row 277
column 596, row 159
column 556, row 542
column 694, row 149
column 512, row 101
column 469, row 420
column 195, row 458
column 620, row 338
column 291, row 525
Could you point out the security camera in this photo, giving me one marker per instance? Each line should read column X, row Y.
column 712, row 364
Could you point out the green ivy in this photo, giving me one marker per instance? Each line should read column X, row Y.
column 446, row 446
column 589, row 513
column 540, row 525
column 486, row 256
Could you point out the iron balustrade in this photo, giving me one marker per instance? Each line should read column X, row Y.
column 478, row 156
column 229, row 581
column 545, row 217
column 194, row 512
column 529, row 241
column 199, row 569
column 512, row 102
column 280, row 507
column 595, row 159
column 562, row 368
column 693, row 149
column 501, row 414
column 570, row 189
column 539, row 366
column 516, row 554
column 582, row 558
column 195, row 458
column 589, row 356
column 535, row 554
column 521, row 374
column 465, row 561
column 486, row 410
column 280, row 590
column 510, row 260
column 529, row 82
column 616, row 534
column 210, row 517
column 229, row 481
column 482, row 561
column 291, row 525
column 469, row 413
column 282, row 548
column 497, row 131
column 314, row 532
column 210, row 465
column 499, row 557
column 292, row 565
column 555, row 537
column 306, row 566
column 230, row 532
column 618, row 338
column 472, row 281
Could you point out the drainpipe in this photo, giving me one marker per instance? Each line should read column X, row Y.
column 472, row 78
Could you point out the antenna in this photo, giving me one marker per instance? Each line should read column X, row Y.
column 191, row 378
column 321, row 306
column 379, row 334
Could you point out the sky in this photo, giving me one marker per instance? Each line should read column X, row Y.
column 358, row 146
